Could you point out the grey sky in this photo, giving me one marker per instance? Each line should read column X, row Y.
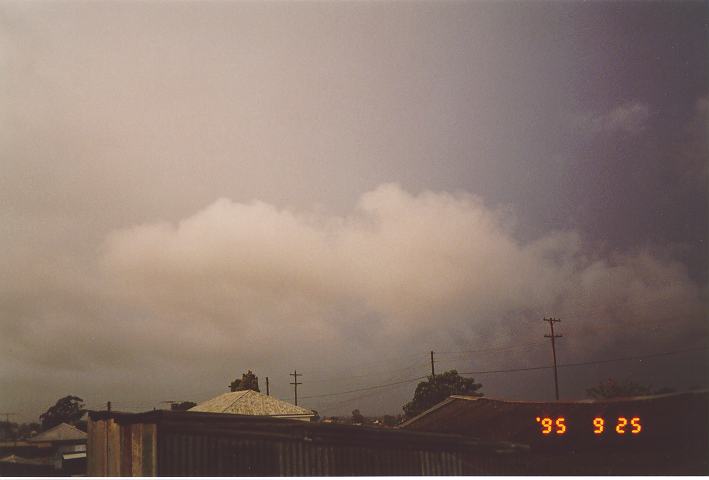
column 192, row 189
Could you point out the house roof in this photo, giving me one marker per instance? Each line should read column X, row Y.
column 60, row 433
column 249, row 402
column 672, row 419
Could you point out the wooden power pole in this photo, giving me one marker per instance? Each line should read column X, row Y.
column 552, row 321
column 7, row 424
column 295, row 383
column 267, row 390
column 433, row 370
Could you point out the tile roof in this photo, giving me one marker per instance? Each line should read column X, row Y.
column 249, row 402
column 60, row 433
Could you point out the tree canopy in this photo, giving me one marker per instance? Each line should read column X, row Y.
column 182, row 406
column 357, row 417
column 613, row 388
column 437, row 388
column 69, row 410
column 248, row 381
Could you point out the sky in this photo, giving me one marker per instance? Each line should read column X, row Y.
column 189, row 190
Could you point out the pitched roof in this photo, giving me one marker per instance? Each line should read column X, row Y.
column 60, row 433
column 249, row 402
column 677, row 418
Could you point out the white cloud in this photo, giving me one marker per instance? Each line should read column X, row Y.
column 176, row 310
column 427, row 266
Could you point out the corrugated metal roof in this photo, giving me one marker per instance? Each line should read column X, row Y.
column 668, row 420
column 249, row 402
column 61, row 433
column 217, row 444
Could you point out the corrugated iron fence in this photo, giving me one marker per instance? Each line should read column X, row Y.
column 205, row 455
column 165, row 443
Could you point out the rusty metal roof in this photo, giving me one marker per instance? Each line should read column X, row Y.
column 250, row 402
column 283, row 428
column 669, row 420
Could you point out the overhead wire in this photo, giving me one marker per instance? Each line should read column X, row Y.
column 510, row 370
column 593, row 362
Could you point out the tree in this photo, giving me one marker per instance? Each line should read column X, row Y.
column 8, row 430
column 357, row 418
column 248, row 381
column 18, row 431
column 391, row 420
column 27, row 430
column 182, row 406
column 438, row 388
column 612, row 388
column 69, row 410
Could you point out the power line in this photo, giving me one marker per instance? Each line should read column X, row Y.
column 373, row 387
column 349, row 400
column 594, row 362
column 509, row 370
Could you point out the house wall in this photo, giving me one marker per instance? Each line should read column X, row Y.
column 121, row 450
column 190, row 454
column 222, row 445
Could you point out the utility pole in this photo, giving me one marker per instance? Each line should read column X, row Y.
column 552, row 321
column 433, row 370
column 295, row 383
column 7, row 424
column 7, row 417
column 108, row 421
column 267, row 391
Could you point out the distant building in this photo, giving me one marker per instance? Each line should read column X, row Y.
column 60, row 450
column 659, row 434
column 67, row 445
column 249, row 402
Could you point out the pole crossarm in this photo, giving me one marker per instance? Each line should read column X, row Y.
column 295, row 383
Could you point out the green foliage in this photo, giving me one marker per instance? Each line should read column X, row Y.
column 612, row 388
column 438, row 388
column 182, row 406
column 69, row 410
column 249, row 381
